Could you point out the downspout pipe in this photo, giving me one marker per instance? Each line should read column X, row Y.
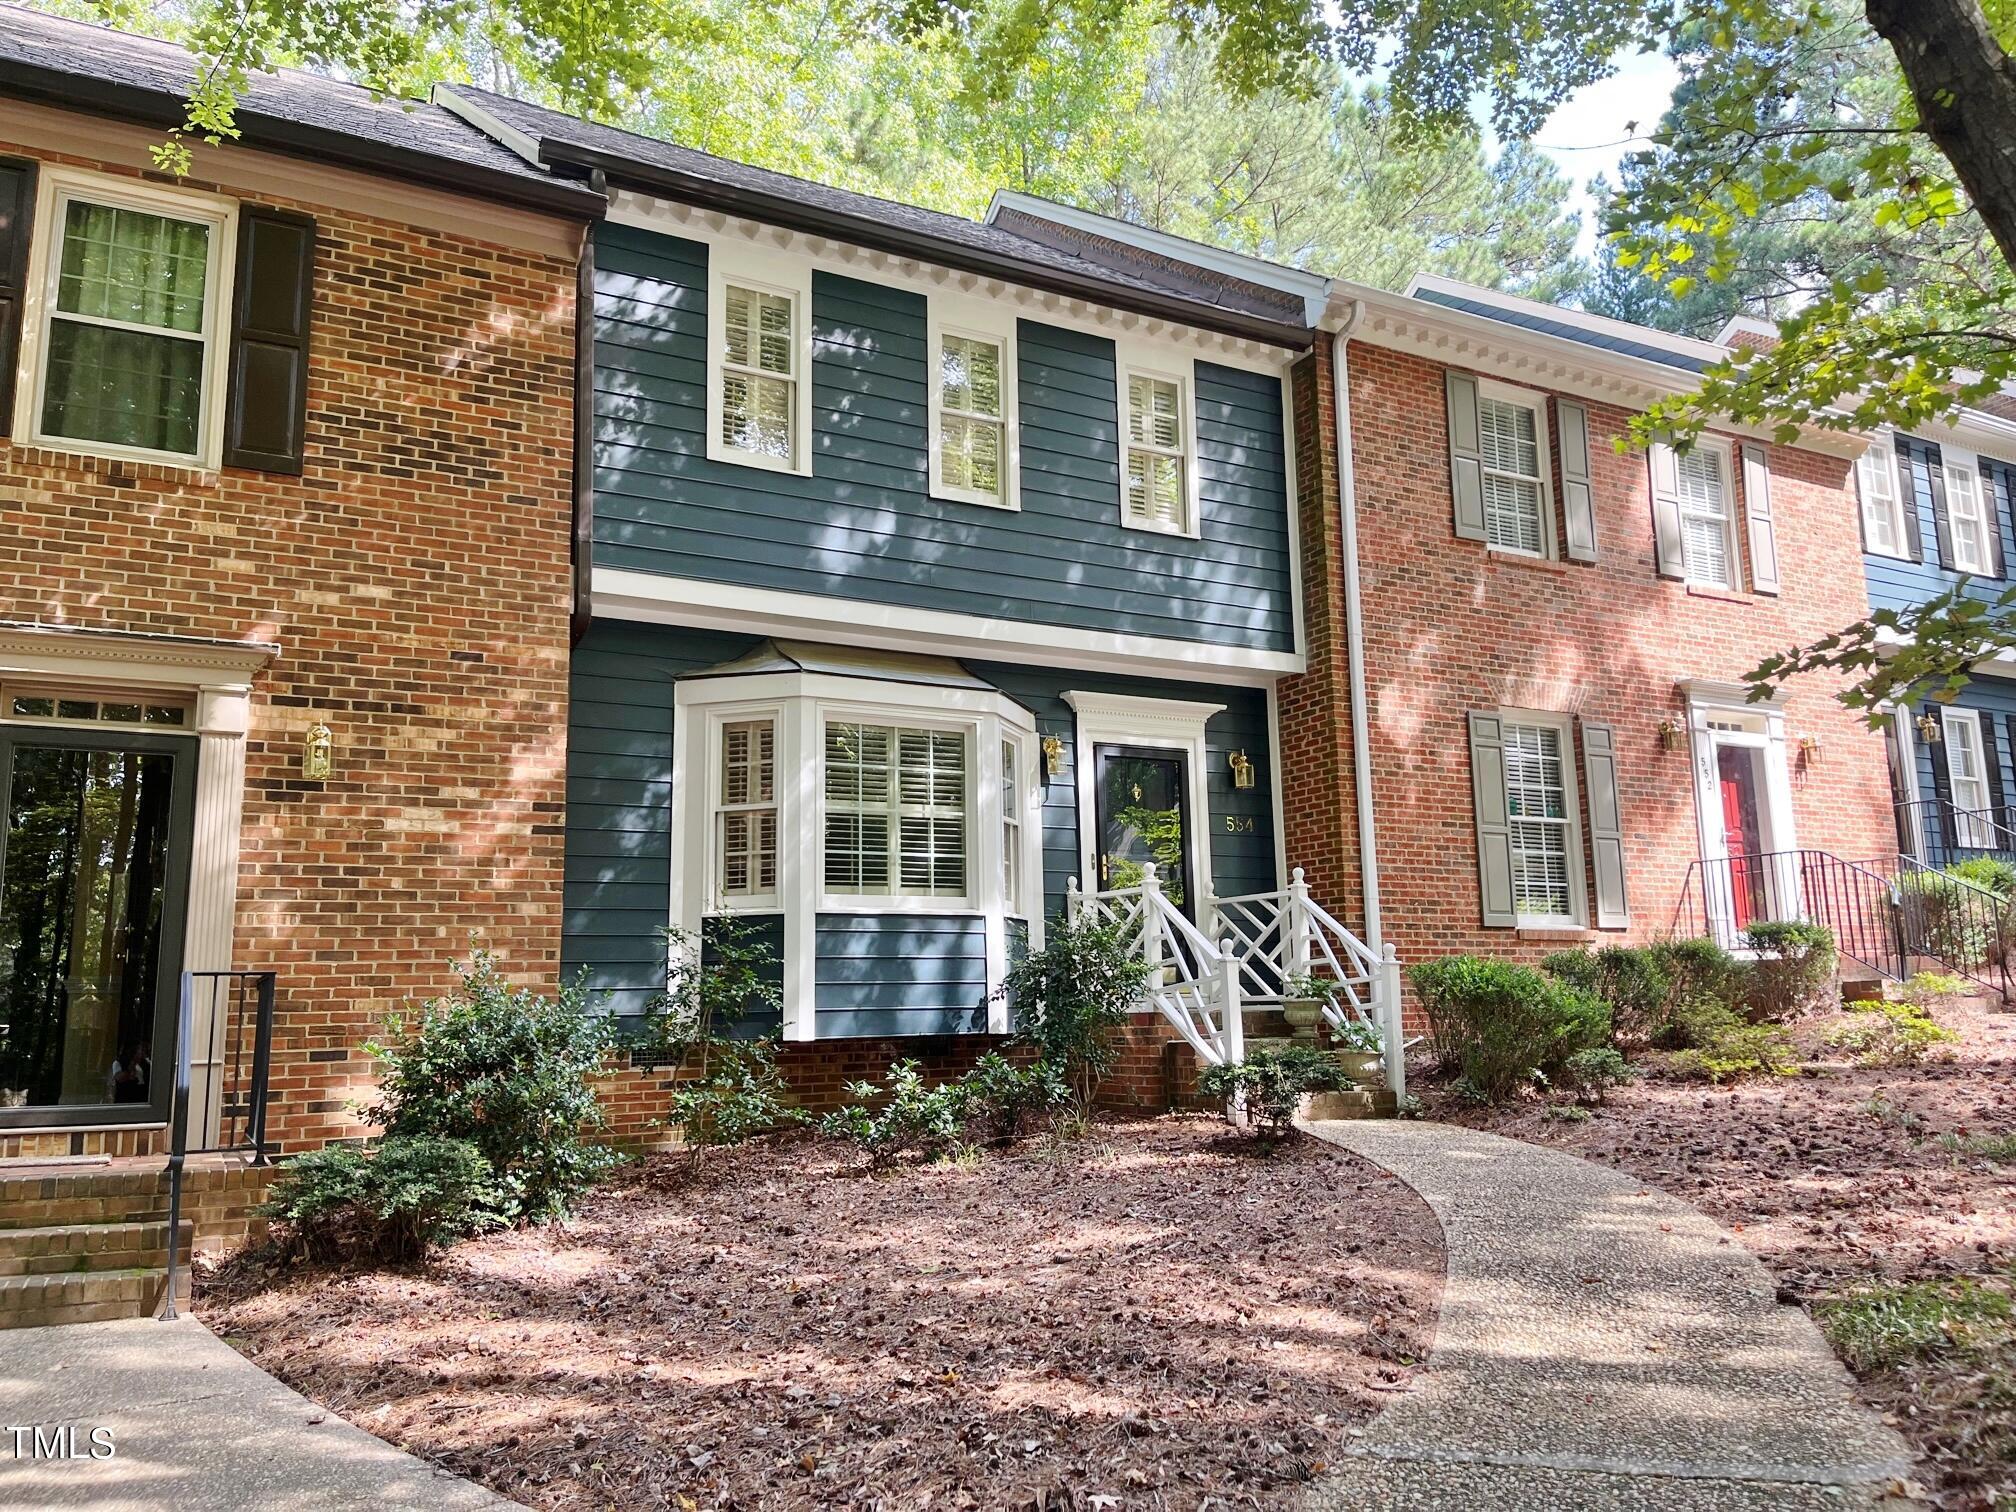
column 1354, row 630
column 581, row 545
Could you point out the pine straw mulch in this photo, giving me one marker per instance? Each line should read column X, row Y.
column 1153, row 1317
column 1839, row 1179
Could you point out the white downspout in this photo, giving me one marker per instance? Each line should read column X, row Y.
column 1354, row 632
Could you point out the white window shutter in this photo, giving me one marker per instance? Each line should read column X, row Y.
column 1578, row 497
column 1757, row 512
column 1664, row 469
column 1466, row 456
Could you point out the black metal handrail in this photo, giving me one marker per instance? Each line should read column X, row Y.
column 1968, row 929
column 1722, row 897
column 1938, row 832
column 235, row 1082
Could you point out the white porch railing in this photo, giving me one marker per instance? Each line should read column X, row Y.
column 1262, row 940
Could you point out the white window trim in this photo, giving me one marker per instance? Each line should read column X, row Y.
column 55, row 188
column 1732, row 553
column 1709, row 704
column 1956, row 463
column 1132, row 360
column 978, row 320
column 1880, row 461
column 1563, row 725
column 801, row 703
column 1531, row 399
column 769, row 272
column 1970, row 833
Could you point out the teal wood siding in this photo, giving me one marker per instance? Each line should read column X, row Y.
column 864, row 526
column 619, row 804
column 900, row 974
column 1242, row 858
column 1898, row 584
column 762, row 932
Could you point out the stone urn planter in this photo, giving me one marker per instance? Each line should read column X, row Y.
column 1303, row 1015
column 1365, row 1068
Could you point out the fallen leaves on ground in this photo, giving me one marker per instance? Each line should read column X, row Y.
column 1152, row 1318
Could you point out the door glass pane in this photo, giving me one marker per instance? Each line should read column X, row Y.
column 82, row 896
column 1141, row 819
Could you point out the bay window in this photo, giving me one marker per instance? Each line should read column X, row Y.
column 895, row 817
column 746, row 845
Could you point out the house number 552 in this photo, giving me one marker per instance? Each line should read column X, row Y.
column 1238, row 824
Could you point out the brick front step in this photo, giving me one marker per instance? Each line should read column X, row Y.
column 81, row 1247
column 83, row 1297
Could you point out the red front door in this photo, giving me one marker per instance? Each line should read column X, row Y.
column 1742, row 838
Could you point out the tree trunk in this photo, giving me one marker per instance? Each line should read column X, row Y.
column 1965, row 88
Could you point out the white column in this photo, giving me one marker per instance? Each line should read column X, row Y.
column 223, row 716
column 1390, row 1036
column 798, row 881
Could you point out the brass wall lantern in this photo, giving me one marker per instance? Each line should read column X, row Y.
column 1669, row 735
column 1053, row 756
column 1929, row 730
column 1242, row 770
column 318, row 746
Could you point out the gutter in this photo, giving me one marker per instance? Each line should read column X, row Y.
column 1354, row 628
column 146, row 107
column 864, row 231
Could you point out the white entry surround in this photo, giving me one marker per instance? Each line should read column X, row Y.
column 1157, row 724
column 1721, row 715
column 218, row 674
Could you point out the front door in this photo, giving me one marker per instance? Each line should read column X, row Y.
column 1742, row 835
column 95, row 835
column 1144, row 816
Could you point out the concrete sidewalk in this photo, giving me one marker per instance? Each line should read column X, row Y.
column 195, row 1427
column 1601, row 1345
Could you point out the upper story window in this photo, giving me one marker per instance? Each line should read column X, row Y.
column 1883, row 525
column 1158, row 453
column 895, row 820
column 1707, row 531
column 759, row 359
column 127, row 316
column 1515, row 486
column 974, row 444
column 1968, row 520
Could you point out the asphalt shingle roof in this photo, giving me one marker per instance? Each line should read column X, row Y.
column 1567, row 330
column 92, row 68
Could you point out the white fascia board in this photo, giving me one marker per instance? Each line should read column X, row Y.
column 1601, row 325
column 657, row 599
column 1976, row 430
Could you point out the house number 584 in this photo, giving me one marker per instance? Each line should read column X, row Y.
column 1238, row 824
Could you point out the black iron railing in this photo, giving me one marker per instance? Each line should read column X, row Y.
column 1855, row 900
column 223, row 1064
column 1938, row 833
column 1956, row 925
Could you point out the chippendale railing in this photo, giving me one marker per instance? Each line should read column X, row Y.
column 1202, row 982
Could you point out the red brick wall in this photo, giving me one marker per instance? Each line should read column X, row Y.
column 416, row 579
column 1451, row 628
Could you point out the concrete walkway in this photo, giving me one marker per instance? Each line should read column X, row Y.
column 194, row 1427
column 1601, row 1345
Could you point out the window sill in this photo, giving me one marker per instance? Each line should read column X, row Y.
column 976, row 501
column 1552, row 931
column 1497, row 556
column 1720, row 595
column 115, row 465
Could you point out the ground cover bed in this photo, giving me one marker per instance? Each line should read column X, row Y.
column 1882, row 1197
column 1152, row 1316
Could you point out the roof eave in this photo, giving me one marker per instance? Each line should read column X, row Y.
column 794, row 215
column 92, row 95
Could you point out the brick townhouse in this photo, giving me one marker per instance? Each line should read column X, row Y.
column 285, row 534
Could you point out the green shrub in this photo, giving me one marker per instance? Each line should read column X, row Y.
column 1499, row 1026
column 739, row 1095
column 712, row 983
column 510, row 1072
column 1593, row 1072
column 1635, row 982
column 1928, row 987
column 1001, row 1097
column 388, row 1202
column 1699, row 1021
column 912, row 1117
column 1888, row 1034
column 1793, row 972
column 1744, row 1050
column 1070, row 999
column 1943, row 916
column 1991, row 873
column 1272, row 1082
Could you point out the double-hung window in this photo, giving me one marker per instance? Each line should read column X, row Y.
column 1967, row 519
column 1967, row 771
column 895, row 817
column 746, row 812
column 759, row 359
column 1159, row 453
column 1882, row 514
column 1539, row 804
column 1011, row 828
column 1510, row 443
column 1707, row 535
column 130, row 304
column 973, row 438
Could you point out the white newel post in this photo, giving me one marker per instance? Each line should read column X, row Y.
column 1073, row 900
column 1151, row 923
column 1389, row 1022
column 1232, row 1040
column 223, row 717
column 1298, row 925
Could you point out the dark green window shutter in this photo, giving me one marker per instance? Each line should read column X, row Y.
column 1997, row 483
column 266, row 414
column 1942, row 780
column 17, row 222
column 1494, row 823
column 1991, row 761
column 1757, row 513
column 1578, row 495
column 1664, row 468
column 1924, row 477
column 1606, row 824
column 1466, row 456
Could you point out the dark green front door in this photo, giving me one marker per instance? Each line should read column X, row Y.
column 1144, row 815
column 95, row 837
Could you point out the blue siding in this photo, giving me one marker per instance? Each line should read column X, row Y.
column 1995, row 699
column 899, row 974
column 1895, row 584
column 864, row 527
